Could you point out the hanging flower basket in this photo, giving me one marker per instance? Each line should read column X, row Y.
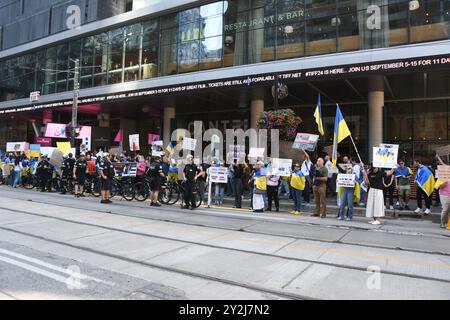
column 284, row 120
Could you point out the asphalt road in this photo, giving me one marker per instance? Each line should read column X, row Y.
column 58, row 247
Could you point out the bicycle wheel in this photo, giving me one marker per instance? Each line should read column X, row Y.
column 197, row 200
column 128, row 191
column 169, row 195
column 28, row 182
column 141, row 191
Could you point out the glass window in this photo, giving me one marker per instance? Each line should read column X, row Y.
column 290, row 40
column 188, row 56
column 74, row 53
column 430, row 21
column 115, row 53
column 87, row 62
column 150, row 43
column 347, row 25
column 100, row 59
column 168, row 60
column 211, row 53
column 212, row 9
column 62, row 63
column 399, row 122
column 398, row 22
column 132, row 52
column 430, row 120
column 50, row 75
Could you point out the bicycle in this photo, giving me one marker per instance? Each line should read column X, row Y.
column 196, row 195
column 123, row 187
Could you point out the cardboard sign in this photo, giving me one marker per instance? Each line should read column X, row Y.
column 444, row 172
column 305, row 141
column 134, row 142
column 47, row 151
column 256, row 153
column 385, row 156
column 345, row 180
column 281, row 167
column 152, row 138
column 17, row 146
column 157, row 149
column 64, row 147
column 443, row 151
column 56, row 159
column 35, row 150
column 122, row 169
column 218, row 174
column 6, row 169
column 189, row 144
column 114, row 150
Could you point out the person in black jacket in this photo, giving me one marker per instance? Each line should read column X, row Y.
column 190, row 176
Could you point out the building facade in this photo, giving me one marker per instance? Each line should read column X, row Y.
column 166, row 64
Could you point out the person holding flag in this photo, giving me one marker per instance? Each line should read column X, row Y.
column 425, row 182
column 170, row 148
column 341, row 131
column 318, row 117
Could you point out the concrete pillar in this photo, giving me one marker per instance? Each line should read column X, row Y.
column 169, row 115
column 375, row 112
column 256, row 106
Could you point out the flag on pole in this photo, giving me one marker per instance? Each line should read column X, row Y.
column 170, row 148
column 119, row 136
column 341, row 132
column 318, row 116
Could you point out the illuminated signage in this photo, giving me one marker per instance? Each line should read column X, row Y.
column 400, row 65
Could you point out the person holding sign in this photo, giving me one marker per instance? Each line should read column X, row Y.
column 444, row 193
column 375, row 200
column 320, row 188
column 347, row 199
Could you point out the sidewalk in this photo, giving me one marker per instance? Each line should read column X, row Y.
column 286, row 205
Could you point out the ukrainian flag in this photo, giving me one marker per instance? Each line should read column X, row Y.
column 318, row 116
column 425, row 180
column 341, row 131
column 170, row 148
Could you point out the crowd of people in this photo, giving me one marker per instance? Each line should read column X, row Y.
column 374, row 188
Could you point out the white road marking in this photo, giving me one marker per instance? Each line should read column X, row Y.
column 67, row 271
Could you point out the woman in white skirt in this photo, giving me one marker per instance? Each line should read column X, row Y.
column 375, row 199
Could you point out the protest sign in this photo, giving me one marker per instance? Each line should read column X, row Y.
column 122, row 169
column 114, row 150
column 6, row 169
column 305, row 141
column 56, row 159
column 157, row 149
column 256, row 153
column 47, row 151
column 152, row 138
column 189, row 144
column 385, row 156
column 444, row 173
column 64, row 147
column 218, row 174
column 35, row 150
column 134, row 142
column 345, row 180
column 17, row 146
column 281, row 167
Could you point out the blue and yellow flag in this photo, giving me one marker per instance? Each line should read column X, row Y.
column 318, row 116
column 425, row 179
column 341, row 131
column 170, row 148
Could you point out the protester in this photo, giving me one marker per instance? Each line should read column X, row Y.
column 298, row 182
column 44, row 172
column 444, row 193
column 388, row 190
column 165, row 165
column 238, row 176
column 79, row 175
column 284, row 186
column 422, row 171
column 17, row 172
column 375, row 201
column 347, row 199
column 260, row 187
column 320, row 189
column 402, row 176
column 141, row 168
column 331, row 181
column 308, row 172
column 272, row 192
column 201, row 180
column 219, row 189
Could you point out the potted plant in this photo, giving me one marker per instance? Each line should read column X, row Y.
column 287, row 122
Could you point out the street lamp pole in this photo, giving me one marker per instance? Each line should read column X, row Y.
column 76, row 88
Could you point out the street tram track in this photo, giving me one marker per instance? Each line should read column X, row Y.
column 174, row 221
column 311, row 261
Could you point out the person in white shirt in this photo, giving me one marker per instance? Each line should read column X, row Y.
column 306, row 169
column 330, row 185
